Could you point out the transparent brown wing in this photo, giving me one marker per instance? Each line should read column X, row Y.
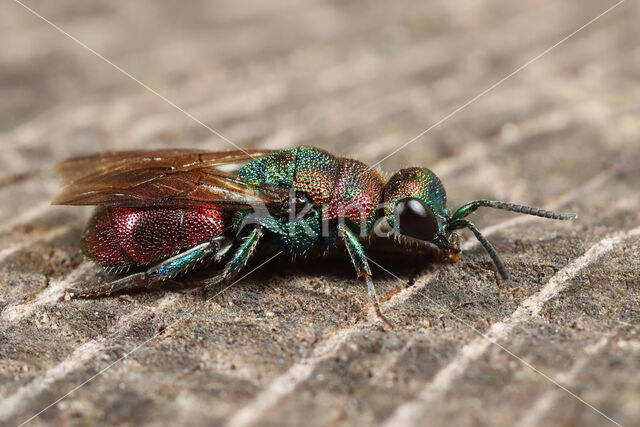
column 161, row 177
column 114, row 162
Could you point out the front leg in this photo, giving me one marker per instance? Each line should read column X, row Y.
column 359, row 259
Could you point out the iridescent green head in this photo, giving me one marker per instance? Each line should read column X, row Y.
column 415, row 205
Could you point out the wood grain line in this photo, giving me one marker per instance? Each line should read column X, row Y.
column 19, row 400
column 412, row 412
column 16, row 312
column 533, row 417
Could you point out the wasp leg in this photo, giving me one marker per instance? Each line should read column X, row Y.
column 359, row 259
column 217, row 247
column 238, row 260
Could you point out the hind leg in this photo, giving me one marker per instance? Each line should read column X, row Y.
column 217, row 247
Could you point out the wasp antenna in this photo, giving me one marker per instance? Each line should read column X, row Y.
column 463, row 223
column 474, row 205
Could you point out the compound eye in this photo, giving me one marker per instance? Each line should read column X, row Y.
column 413, row 218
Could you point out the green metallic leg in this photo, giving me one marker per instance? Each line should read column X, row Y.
column 359, row 259
column 239, row 258
column 218, row 247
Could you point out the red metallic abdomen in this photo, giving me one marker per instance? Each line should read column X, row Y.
column 124, row 236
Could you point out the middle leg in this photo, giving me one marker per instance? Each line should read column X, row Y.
column 239, row 258
column 359, row 259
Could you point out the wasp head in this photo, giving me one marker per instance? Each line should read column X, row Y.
column 415, row 206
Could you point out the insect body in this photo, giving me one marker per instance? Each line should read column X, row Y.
column 169, row 209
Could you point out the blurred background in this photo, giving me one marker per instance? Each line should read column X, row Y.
column 360, row 79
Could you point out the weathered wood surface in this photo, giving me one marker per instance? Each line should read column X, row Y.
column 358, row 78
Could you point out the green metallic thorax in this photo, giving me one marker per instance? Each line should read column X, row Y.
column 342, row 190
